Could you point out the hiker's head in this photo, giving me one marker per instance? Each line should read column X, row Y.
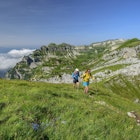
column 88, row 70
column 76, row 70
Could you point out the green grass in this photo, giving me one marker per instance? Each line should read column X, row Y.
column 65, row 113
column 112, row 68
column 130, row 43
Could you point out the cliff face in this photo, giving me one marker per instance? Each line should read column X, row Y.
column 55, row 63
column 43, row 63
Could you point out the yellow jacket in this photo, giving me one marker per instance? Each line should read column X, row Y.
column 86, row 76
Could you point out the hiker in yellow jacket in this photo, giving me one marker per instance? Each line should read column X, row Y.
column 86, row 77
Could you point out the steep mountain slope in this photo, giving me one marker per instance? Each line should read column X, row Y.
column 55, row 63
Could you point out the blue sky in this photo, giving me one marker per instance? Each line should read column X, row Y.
column 77, row 22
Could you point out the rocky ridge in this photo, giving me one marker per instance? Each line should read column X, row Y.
column 51, row 57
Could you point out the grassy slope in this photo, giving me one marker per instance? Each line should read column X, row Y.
column 130, row 43
column 64, row 113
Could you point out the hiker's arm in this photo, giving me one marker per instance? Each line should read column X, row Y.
column 73, row 75
column 92, row 77
column 83, row 75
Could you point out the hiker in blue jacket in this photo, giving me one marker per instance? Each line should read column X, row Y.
column 75, row 76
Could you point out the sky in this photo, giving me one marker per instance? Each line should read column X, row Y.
column 33, row 23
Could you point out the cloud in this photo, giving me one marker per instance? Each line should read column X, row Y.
column 9, row 60
column 19, row 53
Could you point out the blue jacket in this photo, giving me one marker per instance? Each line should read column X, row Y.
column 75, row 75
